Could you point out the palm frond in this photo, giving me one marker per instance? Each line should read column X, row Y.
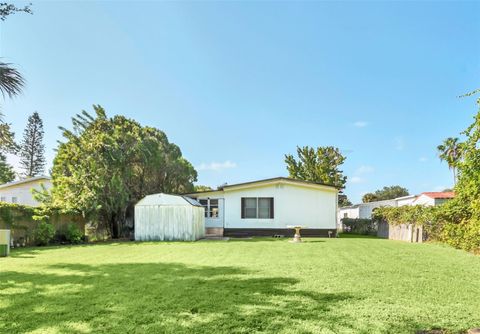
column 11, row 81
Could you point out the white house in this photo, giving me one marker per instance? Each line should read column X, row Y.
column 364, row 210
column 267, row 207
column 405, row 200
column 433, row 198
column 21, row 191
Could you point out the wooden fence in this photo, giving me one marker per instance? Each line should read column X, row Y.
column 22, row 231
column 402, row 232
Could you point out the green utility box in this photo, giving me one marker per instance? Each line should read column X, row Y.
column 4, row 242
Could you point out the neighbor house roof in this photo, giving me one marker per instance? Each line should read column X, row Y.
column 439, row 194
column 404, row 197
column 27, row 180
column 267, row 181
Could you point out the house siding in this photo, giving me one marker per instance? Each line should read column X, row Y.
column 313, row 207
column 23, row 192
column 293, row 205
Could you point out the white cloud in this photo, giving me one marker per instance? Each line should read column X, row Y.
column 217, row 166
column 360, row 124
column 356, row 179
column 399, row 144
column 358, row 174
column 364, row 169
column 423, row 159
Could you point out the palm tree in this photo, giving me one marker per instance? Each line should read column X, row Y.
column 11, row 84
column 11, row 81
column 451, row 151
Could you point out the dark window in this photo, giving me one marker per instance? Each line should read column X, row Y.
column 204, row 203
column 257, row 207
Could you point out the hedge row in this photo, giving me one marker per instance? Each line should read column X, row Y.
column 41, row 225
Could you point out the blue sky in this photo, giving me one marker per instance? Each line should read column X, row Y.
column 238, row 84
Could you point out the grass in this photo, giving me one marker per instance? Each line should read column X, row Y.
column 345, row 285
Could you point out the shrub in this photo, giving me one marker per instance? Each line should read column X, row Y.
column 73, row 234
column 416, row 214
column 44, row 233
column 359, row 226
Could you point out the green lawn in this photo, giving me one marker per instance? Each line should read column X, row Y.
column 344, row 285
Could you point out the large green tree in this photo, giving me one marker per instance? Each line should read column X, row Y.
column 199, row 187
column 321, row 164
column 460, row 222
column 343, row 200
column 7, row 174
column 385, row 193
column 105, row 165
column 8, row 8
column 450, row 151
column 32, row 149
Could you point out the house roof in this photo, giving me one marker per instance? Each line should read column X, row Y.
column 439, row 194
column 404, row 197
column 271, row 180
column 281, row 178
column 354, row 206
column 27, row 180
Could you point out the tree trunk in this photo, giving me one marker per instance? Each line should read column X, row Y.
column 114, row 226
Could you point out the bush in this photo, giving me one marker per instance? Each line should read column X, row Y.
column 73, row 234
column 359, row 226
column 44, row 233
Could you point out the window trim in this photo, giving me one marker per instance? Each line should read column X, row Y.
column 243, row 208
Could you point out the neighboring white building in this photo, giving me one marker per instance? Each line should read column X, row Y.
column 433, row 198
column 364, row 210
column 20, row 192
column 405, row 200
column 267, row 207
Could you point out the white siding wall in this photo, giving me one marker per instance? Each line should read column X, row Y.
column 293, row 205
column 424, row 200
column 405, row 201
column 366, row 209
column 349, row 212
column 23, row 192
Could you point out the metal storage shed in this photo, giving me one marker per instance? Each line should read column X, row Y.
column 169, row 217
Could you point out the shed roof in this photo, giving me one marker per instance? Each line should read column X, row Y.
column 167, row 200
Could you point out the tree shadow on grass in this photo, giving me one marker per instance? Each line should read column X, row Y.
column 161, row 298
